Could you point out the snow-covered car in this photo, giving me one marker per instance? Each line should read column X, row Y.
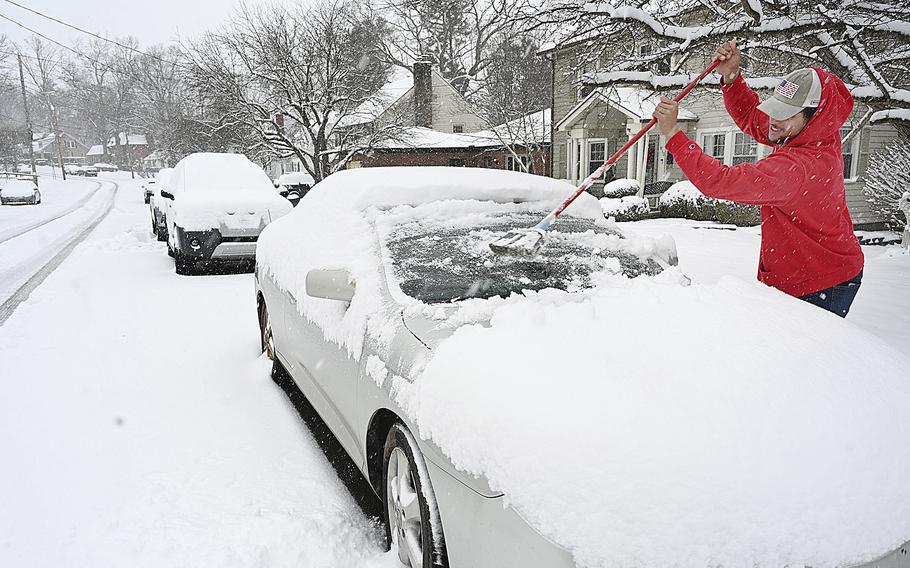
column 71, row 169
column 19, row 192
column 294, row 185
column 87, row 171
column 157, row 204
column 148, row 188
column 216, row 206
column 105, row 167
column 590, row 406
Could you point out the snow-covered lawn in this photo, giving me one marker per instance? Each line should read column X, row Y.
column 708, row 252
column 139, row 426
column 56, row 197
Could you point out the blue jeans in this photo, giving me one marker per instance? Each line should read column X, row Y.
column 836, row 299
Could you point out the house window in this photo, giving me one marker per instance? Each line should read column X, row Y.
column 596, row 151
column 457, row 128
column 70, row 144
column 715, row 144
column 745, row 149
column 516, row 166
column 489, row 162
column 849, row 152
column 456, row 162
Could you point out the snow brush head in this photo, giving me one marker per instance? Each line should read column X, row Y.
column 519, row 242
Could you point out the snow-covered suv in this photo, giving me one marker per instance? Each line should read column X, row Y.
column 216, row 206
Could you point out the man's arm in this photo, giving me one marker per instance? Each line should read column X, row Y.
column 741, row 103
column 775, row 180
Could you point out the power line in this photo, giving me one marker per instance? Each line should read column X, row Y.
column 92, row 34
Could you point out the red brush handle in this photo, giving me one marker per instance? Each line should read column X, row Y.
column 589, row 181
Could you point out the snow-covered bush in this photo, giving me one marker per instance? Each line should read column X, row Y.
column 733, row 213
column 683, row 199
column 621, row 188
column 628, row 208
column 887, row 179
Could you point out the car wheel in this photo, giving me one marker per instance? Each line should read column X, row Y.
column 161, row 234
column 182, row 265
column 413, row 526
column 266, row 340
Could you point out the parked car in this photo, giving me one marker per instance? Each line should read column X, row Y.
column 157, row 204
column 86, row 171
column 216, row 207
column 71, row 169
column 292, row 186
column 103, row 167
column 375, row 300
column 19, row 192
column 148, row 188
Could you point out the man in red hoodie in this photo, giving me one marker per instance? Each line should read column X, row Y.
column 808, row 248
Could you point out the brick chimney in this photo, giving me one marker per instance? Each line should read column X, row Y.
column 423, row 94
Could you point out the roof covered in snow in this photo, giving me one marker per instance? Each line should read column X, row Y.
column 96, row 150
column 400, row 82
column 634, row 102
column 134, row 140
column 529, row 130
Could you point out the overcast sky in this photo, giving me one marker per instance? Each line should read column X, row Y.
column 154, row 22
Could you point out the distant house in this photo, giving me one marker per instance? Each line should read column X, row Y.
column 590, row 124
column 519, row 145
column 118, row 152
column 424, row 121
column 44, row 146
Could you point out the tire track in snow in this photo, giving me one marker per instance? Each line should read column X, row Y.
column 17, row 231
column 22, row 293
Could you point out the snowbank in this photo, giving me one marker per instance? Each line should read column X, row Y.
column 658, row 425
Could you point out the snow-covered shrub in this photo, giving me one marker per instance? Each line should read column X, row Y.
column 621, row 188
column 887, row 179
column 683, row 199
column 628, row 208
column 733, row 213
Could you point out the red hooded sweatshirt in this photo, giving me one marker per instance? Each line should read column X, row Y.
column 807, row 240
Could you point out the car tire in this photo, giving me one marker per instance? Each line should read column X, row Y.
column 161, row 234
column 182, row 265
column 266, row 339
column 413, row 526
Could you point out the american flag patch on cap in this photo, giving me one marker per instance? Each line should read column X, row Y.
column 786, row 89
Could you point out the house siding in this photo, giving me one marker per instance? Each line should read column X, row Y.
column 707, row 104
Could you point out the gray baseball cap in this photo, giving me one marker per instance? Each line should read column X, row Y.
column 798, row 90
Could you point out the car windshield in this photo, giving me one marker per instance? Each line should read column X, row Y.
column 436, row 263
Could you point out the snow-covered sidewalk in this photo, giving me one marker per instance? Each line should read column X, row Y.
column 139, row 426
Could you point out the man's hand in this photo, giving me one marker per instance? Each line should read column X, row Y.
column 729, row 56
column 667, row 113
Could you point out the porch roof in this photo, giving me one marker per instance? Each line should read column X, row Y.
column 635, row 103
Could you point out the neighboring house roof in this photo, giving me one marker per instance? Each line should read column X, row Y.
column 529, row 130
column 634, row 102
column 134, row 140
column 41, row 141
column 96, row 150
column 400, row 83
column 154, row 156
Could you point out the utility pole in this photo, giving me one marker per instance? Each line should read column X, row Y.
column 57, row 141
column 28, row 120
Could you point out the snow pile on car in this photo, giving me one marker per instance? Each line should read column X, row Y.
column 217, row 188
column 652, row 424
column 17, row 188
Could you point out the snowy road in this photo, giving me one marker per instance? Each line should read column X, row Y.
column 139, row 426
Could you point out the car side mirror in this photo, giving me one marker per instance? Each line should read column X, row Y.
column 167, row 194
column 330, row 284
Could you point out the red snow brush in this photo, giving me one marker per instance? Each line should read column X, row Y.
column 526, row 242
